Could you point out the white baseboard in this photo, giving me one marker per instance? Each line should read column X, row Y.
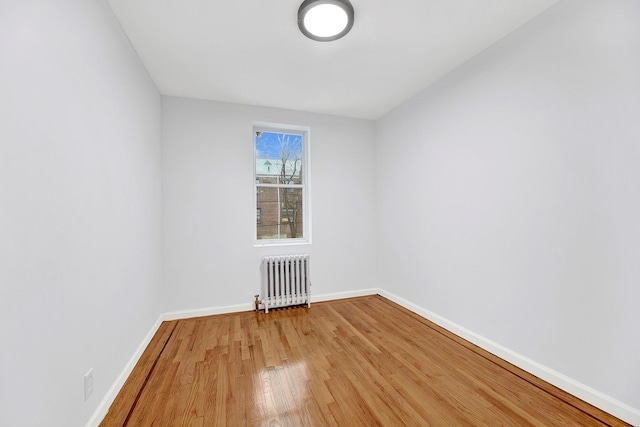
column 200, row 312
column 344, row 295
column 187, row 314
column 594, row 397
column 105, row 404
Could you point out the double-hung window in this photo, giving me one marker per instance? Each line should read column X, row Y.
column 281, row 184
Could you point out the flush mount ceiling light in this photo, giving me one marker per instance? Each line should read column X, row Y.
column 325, row 20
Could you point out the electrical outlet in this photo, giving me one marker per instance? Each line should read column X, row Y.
column 88, row 384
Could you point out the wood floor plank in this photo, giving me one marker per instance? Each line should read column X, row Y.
column 356, row 362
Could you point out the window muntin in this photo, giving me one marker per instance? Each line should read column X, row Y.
column 281, row 184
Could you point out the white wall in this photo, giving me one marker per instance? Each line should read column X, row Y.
column 208, row 215
column 79, row 207
column 508, row 195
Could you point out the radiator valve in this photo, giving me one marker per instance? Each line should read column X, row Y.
column 257, row 302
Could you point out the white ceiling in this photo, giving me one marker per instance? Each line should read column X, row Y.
column 251, row 51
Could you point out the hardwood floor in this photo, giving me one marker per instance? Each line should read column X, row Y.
column 357, row 362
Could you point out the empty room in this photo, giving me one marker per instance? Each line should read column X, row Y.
column 227, row 213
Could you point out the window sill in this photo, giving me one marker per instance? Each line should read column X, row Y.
column 263, row 243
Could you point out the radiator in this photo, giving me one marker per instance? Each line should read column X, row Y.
column 285, row 281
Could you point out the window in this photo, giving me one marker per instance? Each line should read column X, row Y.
column 281, row 184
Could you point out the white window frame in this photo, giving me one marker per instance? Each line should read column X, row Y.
column 305, row 132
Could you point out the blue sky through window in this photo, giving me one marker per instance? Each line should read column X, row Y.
column 268, row 144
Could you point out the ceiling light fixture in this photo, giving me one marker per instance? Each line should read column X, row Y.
column 325, row 20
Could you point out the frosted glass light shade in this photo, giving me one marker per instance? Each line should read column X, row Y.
column 325, row 20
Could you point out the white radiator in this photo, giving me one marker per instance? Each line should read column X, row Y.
column 285, row 281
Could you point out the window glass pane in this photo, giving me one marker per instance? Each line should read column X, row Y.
column 281, row 215
column 291, row 213
column 267, row 203
column 278, row 158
